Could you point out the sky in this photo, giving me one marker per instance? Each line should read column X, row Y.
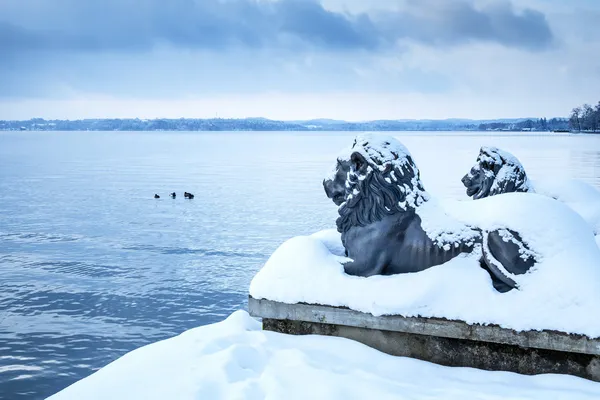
column 297, row 59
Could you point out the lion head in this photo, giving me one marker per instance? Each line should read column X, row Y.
column 495, row 172
column 375, row 177
column 335, row 183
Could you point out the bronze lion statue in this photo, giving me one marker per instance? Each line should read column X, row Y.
column 495, row 172
column 379, row 193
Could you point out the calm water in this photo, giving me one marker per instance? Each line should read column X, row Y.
column 91, row 266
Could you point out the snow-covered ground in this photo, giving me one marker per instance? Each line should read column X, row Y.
column 235, row 359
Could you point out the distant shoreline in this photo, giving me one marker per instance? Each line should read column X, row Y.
column 497, row 132
column 525, row 125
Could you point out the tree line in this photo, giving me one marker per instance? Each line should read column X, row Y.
column 582, row 119
column 541, row 125
column 585, row 118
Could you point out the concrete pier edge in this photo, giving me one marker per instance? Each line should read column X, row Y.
column 438, row 340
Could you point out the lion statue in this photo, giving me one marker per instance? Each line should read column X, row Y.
column 497, row 171
column 382, row 207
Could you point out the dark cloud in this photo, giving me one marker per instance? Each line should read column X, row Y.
column 140, row 25
column 207, row 24
column 437, row 22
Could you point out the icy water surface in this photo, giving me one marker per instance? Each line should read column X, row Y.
column 92, row 266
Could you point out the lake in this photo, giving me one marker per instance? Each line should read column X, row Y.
column 92, row 266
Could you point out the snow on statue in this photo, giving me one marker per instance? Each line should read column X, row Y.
column 521, row 260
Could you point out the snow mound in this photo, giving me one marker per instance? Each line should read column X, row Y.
column 562, row 292
column 581, row 197
column 234, row 359
column 332, row 240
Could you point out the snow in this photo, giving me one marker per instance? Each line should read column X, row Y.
column 581, row 197
column 496, row 156
column 381, row 153
column 332, row 241
column 441, row 227
column 560, row 293
column 235, row 359
column 382, row 149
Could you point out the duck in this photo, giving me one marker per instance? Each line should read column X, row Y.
column 188, row 195
column 156, row 196
column 173, row 195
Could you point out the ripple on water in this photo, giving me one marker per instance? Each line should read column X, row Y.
column 35, row 237
column 193, row 251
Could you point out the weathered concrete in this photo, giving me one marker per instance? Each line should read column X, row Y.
column 445, row 342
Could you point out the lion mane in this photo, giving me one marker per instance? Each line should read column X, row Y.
column 382, row 180
column 496, row 172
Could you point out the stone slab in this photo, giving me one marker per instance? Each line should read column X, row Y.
column 445, row 342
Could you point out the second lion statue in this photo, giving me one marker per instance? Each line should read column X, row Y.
column 378, row 189
column 495, row 172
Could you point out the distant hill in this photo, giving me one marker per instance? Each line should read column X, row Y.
column 263, row 124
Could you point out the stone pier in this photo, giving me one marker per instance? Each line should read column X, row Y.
column 441, row 341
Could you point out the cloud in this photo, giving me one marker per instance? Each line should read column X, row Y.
column 354, row 59
column 295, row 25
column 443, row 23
column 96, row 25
